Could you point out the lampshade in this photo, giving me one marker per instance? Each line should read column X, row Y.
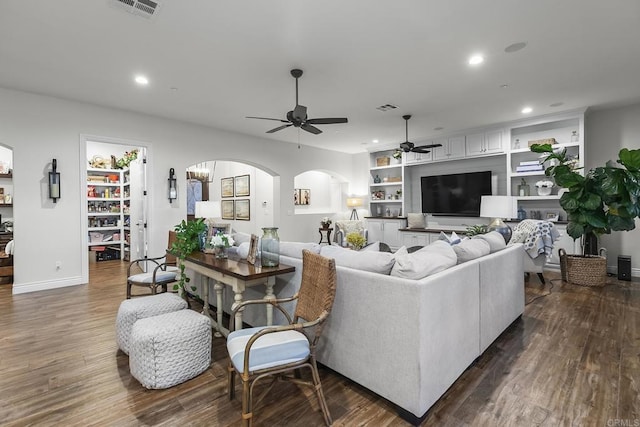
column 354, row 202
column 496, row 207
column 208, row 209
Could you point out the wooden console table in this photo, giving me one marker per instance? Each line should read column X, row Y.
column 238, row 274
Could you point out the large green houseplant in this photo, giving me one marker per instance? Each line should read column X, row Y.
column 188, row 234
column 605, row 199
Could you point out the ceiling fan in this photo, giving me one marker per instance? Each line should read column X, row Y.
column 298, row 116
column 407, row 146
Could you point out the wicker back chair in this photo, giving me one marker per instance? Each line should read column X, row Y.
column 157, row 272
column 286, row 348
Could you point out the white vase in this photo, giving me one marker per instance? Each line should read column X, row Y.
column 544, row 191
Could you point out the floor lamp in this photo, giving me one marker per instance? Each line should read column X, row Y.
column 497, row 208
column 354, row 203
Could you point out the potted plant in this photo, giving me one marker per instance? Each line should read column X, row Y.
column 397, row 155
column 188, row 235
column 325, row 222
column 356, row 240
column 605, row 199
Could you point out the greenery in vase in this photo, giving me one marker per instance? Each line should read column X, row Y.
column 473, row 230
column 605, row 199
column 125, row 160
column 356, row 240
column 187, row 240
column 222, row 240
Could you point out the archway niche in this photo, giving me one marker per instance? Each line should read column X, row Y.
column 319, row 192
column 251, row 199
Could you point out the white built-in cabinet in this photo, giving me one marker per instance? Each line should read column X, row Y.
column 386, row 230
column 490, row 142
column 452, row 148
column 389, row 199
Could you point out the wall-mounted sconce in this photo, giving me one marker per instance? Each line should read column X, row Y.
column 173, row 191
column 54, row 182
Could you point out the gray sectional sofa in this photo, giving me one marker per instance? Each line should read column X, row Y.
column 408, row 340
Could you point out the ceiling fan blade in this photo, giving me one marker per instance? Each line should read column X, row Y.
column 279, row 128
column 421, row 150
column 314, row 130
column 300, row 113
column 430, row 146
column 328, row 121
column 267, row 118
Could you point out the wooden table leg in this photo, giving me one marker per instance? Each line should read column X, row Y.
column 270, row 296
column 218, row 288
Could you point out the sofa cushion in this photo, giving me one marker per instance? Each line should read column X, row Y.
column 294, row 249
column 416, row 220
column 494, row 239
column 376, row 262
column 243, row 249
column 240, row 237
column 431, row 259
column 471, row 249
column 375, row 247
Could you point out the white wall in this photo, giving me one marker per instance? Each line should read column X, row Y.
column 607, row 132
column 40, row 128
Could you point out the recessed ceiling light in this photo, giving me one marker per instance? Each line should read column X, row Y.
column 375, row 141
column 504, row 86
column 476, row 60
column 141, row 80
column 515, row 47
column 438, row 128
column 527, row 110
column 556, row 104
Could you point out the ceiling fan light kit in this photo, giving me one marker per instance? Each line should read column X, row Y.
column 407, row 146
column 298, row 116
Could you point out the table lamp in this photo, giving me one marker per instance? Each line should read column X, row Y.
column 208, row 209
column 354, row 203
column 497, row 208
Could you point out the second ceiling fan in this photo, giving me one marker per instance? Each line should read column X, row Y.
column 298, row 116
column 407, row 146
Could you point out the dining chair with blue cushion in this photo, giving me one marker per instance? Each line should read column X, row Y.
column 157, row 272
column 272, row 351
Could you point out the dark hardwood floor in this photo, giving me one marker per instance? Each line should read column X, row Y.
column 572, row 359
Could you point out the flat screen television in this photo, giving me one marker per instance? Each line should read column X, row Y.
column 456, row 194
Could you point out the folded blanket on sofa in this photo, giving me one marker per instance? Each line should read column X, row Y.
column 536, row 236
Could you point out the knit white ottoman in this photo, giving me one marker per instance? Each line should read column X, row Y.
column 134, row 309
column 170, row 348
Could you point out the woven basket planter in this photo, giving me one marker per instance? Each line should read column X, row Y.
column 583, row 270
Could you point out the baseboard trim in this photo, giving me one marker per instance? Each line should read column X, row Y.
column 23, row 288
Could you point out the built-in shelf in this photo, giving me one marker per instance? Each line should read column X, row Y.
column 385, row 184
column 6, row 175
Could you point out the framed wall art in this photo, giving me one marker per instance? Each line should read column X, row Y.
column 253, row 250
column 242, row 186
column 302, row 196
column 242, row 210
column 228, row 211
column 226, row 187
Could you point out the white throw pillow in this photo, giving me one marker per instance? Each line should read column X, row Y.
column 416, row 220
column 294, row 249
column 376, row 262
column 471, row 249
column 431, row 259
column 494, row 239
column 240, row 237
column 452, row 239
column 243, row 250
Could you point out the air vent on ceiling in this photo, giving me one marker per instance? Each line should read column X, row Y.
column 145, row 8
column 386, row 107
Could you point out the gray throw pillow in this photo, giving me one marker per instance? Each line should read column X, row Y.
column 416, row 220
column 494, row 239
column 429, row 260
column 471, row 249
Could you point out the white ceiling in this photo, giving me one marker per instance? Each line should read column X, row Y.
column 228, row 59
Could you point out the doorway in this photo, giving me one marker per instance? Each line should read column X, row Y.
column 6, row 215
column 114, row 190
